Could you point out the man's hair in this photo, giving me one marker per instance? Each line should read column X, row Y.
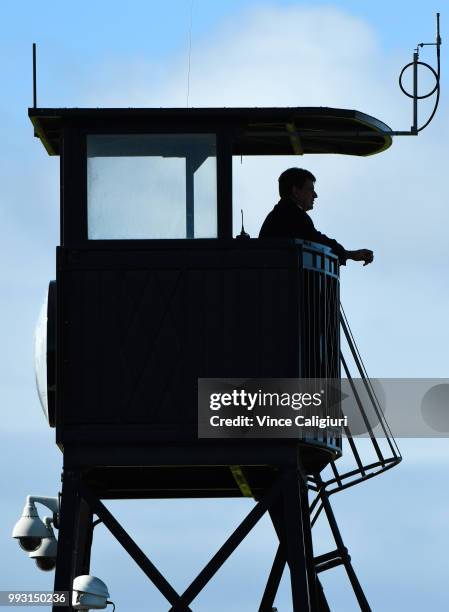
column 293, row 177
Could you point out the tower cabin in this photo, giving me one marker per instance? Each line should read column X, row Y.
column 154, row 291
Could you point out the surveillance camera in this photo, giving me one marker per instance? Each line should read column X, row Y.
column 89, row 593
column 46, row 564
column 29, row 529
column 29, row 544
column 45, row 555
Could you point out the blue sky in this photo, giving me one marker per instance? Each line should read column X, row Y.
column 346, row 53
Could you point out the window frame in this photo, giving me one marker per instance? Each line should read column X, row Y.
column 74, row 223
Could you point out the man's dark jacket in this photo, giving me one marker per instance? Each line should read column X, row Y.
column 287, row 220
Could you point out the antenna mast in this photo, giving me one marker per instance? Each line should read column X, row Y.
column 34, row 77
column 415, row 96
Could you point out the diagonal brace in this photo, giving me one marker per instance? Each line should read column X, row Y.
column 274, row 580
column 230, row 545
column 129, row 545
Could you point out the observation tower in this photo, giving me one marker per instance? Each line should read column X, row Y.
column 155, row 291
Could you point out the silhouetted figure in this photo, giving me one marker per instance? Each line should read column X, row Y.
column 289, row 218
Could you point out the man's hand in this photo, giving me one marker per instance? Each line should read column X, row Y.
column 364, row 255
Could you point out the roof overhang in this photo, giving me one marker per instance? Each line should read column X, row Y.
column 255, row 131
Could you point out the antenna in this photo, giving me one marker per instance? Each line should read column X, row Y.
column 34, row 77
column 243, row 234
column 414, row 129
column 436, row 89
column 190, row 53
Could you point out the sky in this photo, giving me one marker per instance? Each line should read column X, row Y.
column 281, row 53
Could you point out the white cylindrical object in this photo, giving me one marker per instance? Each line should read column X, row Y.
column 89, row 593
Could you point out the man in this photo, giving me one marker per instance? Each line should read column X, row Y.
column 289, row 218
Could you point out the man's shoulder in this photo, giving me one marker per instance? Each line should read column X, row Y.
column 283, row 221
column 273, row 221
column 284, row 209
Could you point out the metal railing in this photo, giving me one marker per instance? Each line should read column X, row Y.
column 371, row 460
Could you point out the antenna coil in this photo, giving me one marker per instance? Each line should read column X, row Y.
column 423, row 96
column 435, row 90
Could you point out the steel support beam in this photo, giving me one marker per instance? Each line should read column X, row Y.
column 149, row 569
column 72, row 543
column 345, row 558
column 273, row 582
column 287, row 503
column 231, row 544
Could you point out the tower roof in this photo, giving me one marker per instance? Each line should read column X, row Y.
column 255, row 131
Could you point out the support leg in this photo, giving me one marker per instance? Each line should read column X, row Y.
column 65, row 564
column 84, row 531
column 299, row 545
column 292, row 523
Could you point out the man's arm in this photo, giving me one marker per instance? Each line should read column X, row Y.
column 315, row 236
column 290, row 225
column 365, row 255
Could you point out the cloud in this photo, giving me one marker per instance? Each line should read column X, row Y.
column 261, row 57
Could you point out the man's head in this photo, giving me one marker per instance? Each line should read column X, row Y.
column 298, row 185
